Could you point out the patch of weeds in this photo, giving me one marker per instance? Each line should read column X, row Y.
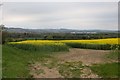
column 50, row 63
column 113, row 55
column 70, row 69
column 40, row 71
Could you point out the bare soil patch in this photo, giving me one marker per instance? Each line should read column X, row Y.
column 40, row 71
column 87, row 56
column 87, row 73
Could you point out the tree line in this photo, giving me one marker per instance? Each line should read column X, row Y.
column 9, row 36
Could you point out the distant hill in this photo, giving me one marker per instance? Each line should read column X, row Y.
column 21, row 30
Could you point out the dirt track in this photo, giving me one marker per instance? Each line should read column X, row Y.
column 87, row 56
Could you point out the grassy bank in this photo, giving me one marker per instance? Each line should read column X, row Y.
column 108, row 70
column 16, row 61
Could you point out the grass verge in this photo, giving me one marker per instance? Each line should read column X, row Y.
column 15, row 62
column 108, row 70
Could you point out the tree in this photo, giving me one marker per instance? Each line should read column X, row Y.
column 49, row 37
column 4, row 36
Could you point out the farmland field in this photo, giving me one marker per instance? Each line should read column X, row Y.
column 71, row 40
column 54, row 45
column 94, row 41
column 62, row 58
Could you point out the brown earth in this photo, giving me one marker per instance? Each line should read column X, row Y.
column 46, row 72
column 86, row 56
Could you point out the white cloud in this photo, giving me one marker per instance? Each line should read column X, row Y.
column 68, row 15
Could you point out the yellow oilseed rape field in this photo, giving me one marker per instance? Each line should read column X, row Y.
column 56, row 42
column 62, row 45
column 96, row 41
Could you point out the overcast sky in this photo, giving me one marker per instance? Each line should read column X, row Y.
column 69, row 15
